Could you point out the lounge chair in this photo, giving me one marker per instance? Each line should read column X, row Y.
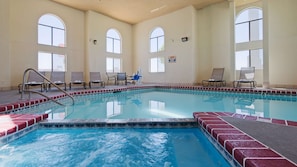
column 95, row 77
column 121, row 77
column 247, row 75
column 58, row 78
column 77, row 78
column 111, row 77
column 34, row 80
column 216, row 78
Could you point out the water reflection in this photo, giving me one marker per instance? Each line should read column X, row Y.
column 246, row 106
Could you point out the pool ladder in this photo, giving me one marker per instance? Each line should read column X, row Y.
column 42, row 94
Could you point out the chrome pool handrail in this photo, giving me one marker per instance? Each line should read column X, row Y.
column 48, row 80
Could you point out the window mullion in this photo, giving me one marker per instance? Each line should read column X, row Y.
column 52, row 64
column 250, row 31
column 250, row 58
column 112, row 65
column 113, row 50
column 52, row 36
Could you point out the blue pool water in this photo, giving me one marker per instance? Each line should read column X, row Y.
column 112, row 148
column 173, row 103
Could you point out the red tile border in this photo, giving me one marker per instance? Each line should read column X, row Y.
column 12, row 123
column 231, row 145
column 245, row 150
column 241, row 154
column 265, row 162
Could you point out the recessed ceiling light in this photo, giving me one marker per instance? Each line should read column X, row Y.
column 159, row 8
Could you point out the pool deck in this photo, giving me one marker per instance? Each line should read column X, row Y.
column 251, row 141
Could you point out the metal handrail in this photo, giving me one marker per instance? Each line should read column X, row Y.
column 48, row 80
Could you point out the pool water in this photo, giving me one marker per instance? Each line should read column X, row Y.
column 174, row 103
column 112, row 148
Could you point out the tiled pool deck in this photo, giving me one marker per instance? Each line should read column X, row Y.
column 245, row 150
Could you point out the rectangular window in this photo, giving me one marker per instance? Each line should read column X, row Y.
column 249, row 58
column 113, row 65
column 117, row 46
column 44, row 35
column 51, row 62
column 44, row 61
column 257, row 58
column 154, row 46
column 242, row 32
column 157, row 64
column 113, row 45
column 157, row 44
column 48, row 35
column 109, row 45
column 59, row 62
column 256, row 30
column 58, row 37
column 161, row 43
column 242, row 59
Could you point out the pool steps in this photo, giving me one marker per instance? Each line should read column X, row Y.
column 15, row 125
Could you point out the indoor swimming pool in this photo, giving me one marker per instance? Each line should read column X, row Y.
column 170, row 103
column 94, row 131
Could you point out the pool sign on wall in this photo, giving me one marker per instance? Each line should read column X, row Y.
column 172, row 59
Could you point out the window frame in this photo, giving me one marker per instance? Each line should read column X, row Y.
column 113, row 65
column 250, row 58
column 254, row 32
column 249, row 22
column 159, row 44
column 113, row 40
column 52, row 31
column 158, row 68
column 52, row 62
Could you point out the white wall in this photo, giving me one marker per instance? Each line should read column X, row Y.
column 5, row 74
column 213, row 40
column 96, row 27
column 282, row 42
column 175, row 25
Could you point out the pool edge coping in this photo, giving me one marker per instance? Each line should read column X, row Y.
column 212, row 121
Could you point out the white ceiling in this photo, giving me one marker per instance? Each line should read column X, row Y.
column 135, row 11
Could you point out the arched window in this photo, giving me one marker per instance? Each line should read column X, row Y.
column 248, row 30
column 157, row 40
column 51, row 31
column 249, row 25
column 113, row 41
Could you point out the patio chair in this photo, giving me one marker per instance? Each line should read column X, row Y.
column 58, row 78
column 34, row 80
column 111, row 77
column 77, row 78
column 216, row 78
column 95, row 78
column 121, row 77
column 246, row 75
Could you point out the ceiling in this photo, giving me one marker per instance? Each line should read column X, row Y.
column 135, row 11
